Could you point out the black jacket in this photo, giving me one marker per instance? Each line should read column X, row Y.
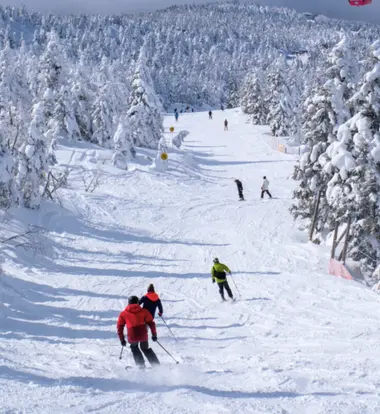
column 239, row 185
column 151, row 302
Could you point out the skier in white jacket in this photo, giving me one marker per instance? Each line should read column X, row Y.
column 265, row 188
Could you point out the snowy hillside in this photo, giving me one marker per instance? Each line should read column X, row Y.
column 296, row 341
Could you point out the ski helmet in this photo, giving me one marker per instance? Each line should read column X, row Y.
column 216, row 260
column 133, row 300
column 150, row 288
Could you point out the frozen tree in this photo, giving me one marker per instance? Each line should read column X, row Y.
column 64, row 124
column 232, row 92
column 8, row 163
column 33, row 162
column 124, row 150
column 102, row 122
column 144, row 116
column 281, row 109
column 252, row 100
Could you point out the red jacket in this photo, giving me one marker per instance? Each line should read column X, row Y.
column 136, row 318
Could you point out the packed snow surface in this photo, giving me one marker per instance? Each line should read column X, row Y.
column 297, row 340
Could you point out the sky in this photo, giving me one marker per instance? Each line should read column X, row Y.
column 331, row 8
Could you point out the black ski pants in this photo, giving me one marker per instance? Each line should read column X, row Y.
column 240, row 191
column 265, row 191
column 148, row 352
column 222, row 286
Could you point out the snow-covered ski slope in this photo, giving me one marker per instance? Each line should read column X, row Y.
column 297, row 341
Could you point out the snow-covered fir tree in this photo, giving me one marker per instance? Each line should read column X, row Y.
column 33, row 162
column 144, row 117
column 281, row 105
column 124, row 149
column 8, row 164
column 251, row 100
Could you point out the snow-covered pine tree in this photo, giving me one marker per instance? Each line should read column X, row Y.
column 82, row 91
column 281, row 104
column 102, row 121
column 144, row 117
column 232, row 92
column 354, row 189
column 63, row 124
column 252, row 100
column 51, row 78
column 8, row 164
column 124, row 149
column 33, row 162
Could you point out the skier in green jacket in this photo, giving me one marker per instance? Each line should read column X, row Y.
column 218, row 272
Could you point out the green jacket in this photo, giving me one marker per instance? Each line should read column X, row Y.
column 218, row 272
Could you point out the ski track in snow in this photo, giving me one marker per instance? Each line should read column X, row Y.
column 296, row 341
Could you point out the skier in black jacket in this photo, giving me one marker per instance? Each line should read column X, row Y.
column 151, row 302
column 240, row 189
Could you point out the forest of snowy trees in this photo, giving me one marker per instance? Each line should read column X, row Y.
column 107, row 80
column 336, row 115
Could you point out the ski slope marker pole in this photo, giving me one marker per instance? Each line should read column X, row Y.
column 235, row 285
column 169, row 328
column 171, row 356
column 121, row 352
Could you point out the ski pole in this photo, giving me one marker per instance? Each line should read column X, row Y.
column 169, row 328
column 121, row 352
column 235, row 285
column 171, row 356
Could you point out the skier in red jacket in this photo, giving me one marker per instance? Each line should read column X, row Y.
column 136, row 318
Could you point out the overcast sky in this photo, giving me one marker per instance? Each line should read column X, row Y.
column 333, row 8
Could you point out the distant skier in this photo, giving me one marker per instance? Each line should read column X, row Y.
column 176, row 116
column 136, row 318
column 240, row 189
column 218, row 272
column 151, row 301
column 210, row 115
column 225, row 125
column 265, row 188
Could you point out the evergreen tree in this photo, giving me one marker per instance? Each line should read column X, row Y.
column 144, row 117
column 33, row 162
column 252, row 100
column 281, row 106
column 124, row 150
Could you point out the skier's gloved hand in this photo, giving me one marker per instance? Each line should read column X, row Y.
column 123, row 342
column 159, row 313
column 154, row 338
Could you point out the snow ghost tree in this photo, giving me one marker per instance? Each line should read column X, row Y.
column 124, row 150
column 144, row 117
column 33, row 163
